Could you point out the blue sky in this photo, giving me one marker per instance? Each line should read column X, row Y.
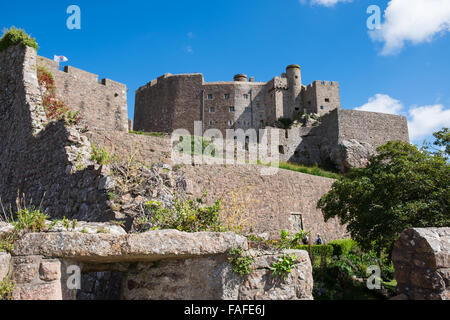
column 397, row 71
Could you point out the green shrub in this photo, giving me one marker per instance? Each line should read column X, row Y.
column 342, row 247
column 15, row 36
column 101, row 156
column 7, row 243
column 6, row 289
column 30, row 220
column 283, row 266
column 187, row 216
column 288, row 242
column 241, row 263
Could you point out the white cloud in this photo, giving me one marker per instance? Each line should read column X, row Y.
column 190, row 35
column 414, row 21
column 423, row 121
column 189, row 50
column 382, row 103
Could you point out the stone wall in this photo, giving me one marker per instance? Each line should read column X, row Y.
column 43, row 164
column 102, row 104
column 321, row 97
column 343, row 138
column 173, row 102
column 284, row 201
column 422, row 264
column 157, row 265
column 371, row 127
column 272, row 203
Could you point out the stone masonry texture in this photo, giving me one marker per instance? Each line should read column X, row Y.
column 422, row 264
column 102, row 104
column 340, row 138
column 155, row 265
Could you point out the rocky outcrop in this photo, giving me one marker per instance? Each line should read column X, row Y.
column 422, row 264
column 352, row 154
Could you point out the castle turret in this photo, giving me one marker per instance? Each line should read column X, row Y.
column 293, row 74
column 240, row 77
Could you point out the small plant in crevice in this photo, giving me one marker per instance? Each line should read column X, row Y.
column 240, row 262
column 283, row 266
column 29, row 220
column 55, row 109
column 101, row 156
column 7, row 287
column 7, row 242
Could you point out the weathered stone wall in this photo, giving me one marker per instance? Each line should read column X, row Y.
column 344, row 138
column 48, row 166
column 283, row 201
column 422, row 264
column 371, row 127
column 102, row 104
column 156, row 265
column 176, row 101
column 321, row 97
column 273, row 202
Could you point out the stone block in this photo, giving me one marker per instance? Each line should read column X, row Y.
column 5, row 261
column 50, row 270
column 39, row 291
column 25, row 269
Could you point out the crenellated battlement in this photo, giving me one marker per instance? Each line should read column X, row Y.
column 101, row 103
column 80, row 74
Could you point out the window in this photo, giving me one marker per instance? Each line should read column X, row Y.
column 246, row 96
column 210, row 97
column 212, row 110
column 227, row 96
column 327, row 100
column 232, row 109
column 211, row 122
column 230, row 122
column 309, row 103
column 281, row 149
column 321, row 108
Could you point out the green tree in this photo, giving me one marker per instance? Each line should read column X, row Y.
column 443, row 140
column 401, row 187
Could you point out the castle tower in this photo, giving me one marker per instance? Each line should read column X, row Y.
column 240, row 77
column 293, row 74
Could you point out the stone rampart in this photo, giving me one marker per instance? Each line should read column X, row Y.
column 102, row 104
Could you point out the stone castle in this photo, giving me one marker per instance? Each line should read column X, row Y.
column 344, row 138
column 49, row 164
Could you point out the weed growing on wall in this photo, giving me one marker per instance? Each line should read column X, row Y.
column 241, row 263
column 55, row 109
column 283, row 266
column 6, row 289
column 101, row 156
